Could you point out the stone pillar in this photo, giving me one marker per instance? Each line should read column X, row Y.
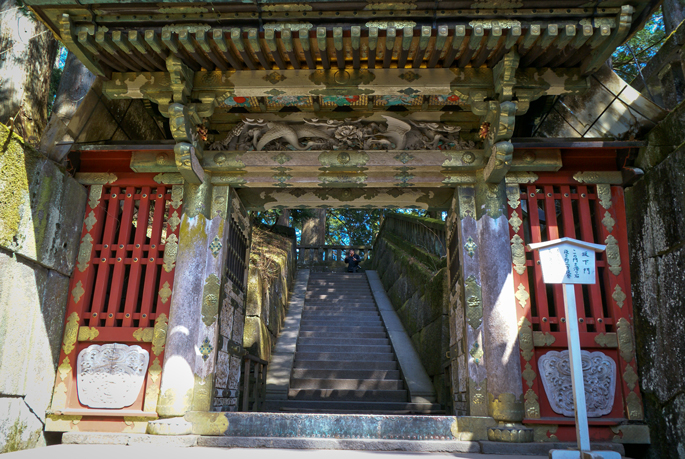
column 470, row 304
column 500, row 330
column 193, row 337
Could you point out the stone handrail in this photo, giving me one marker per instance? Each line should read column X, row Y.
column 426, row 233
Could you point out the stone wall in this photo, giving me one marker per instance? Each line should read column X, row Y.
column 656, row 229
column 271, row 277
column 38, row 247
column 416, row 282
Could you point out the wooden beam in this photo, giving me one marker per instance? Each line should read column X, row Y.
column 70, row 38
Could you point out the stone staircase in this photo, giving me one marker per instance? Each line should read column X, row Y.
column 344, row 361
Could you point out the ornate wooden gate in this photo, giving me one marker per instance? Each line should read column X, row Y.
column 120, row 293
column 567, row 205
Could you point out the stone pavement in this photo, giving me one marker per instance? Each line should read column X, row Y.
column 173, row 452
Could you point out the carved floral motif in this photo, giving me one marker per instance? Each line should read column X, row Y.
column 599, row 377
column 110, row 375
column 316, row 134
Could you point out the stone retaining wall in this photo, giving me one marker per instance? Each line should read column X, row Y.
column 271, row 279
column 656, row 229
column 416, row 282
column 39, row 241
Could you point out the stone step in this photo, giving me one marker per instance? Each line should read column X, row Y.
column 342, row 328
column 325, row 341
column 349, row 348
column 361, row 408
column 303, row 373
column 353, row 395
column 346, row 384
column 305, row 364
column 339, row 301
column 342, row 356
column 337, row 295
column 351, row 322
column 343, row 335
column 336, row 289
column 333, row 309
column 342, row 315
column 341, row 304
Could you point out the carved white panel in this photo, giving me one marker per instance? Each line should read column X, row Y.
column 110, row 375
column 599, row 376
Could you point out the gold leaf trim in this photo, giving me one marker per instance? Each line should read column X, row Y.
column 94, row 196
column 630, row 377
column 607, row 340
column 521, row 177
column 522, row 295
column 526, row 338
column 611, row 178
column 159, row 334
column 613, row 255
column 90, row 221
column 173, row 221
column 604, row 195
column 176, row 196
column 165, row 293
column 543, row 339
column 170, row 252
column 474, row 303
column 84, row 252
column 169, row 178
column 608, row 222
column 618, row 296
column 95, row 178
column 513, row 197
column 515, row 222
column 77, row 292
column 210, row 300
column 529, row 374
column 70, row 333
column 144, row 334
column 625, row 340
column 531, row 405
column 87, row 333
column 634, row 407
column 518, row 254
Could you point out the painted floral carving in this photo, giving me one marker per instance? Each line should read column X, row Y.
column 110, row 375
column 316, row 134
column 599, row 377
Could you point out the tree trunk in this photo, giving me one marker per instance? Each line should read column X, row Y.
column 284, row 218
column 29, row 51
column 75, row 83
column 314, row 232
column 674, row 13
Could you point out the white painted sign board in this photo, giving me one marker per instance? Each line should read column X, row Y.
column 570, row 261
column 567, row 261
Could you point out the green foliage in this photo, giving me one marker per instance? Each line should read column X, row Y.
column 352, row 226
column 644, row 44
column 269, row 217
column 56, row 76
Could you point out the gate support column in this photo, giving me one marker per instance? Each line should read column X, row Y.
column 501, row 347
column 193, row 340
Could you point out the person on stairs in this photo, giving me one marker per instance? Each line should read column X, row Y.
column 352, row 261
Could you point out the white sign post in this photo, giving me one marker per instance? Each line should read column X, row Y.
column 570, row 261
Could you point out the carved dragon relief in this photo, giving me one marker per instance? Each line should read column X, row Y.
column 315, row 134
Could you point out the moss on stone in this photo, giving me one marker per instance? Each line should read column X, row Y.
column 14, row 183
